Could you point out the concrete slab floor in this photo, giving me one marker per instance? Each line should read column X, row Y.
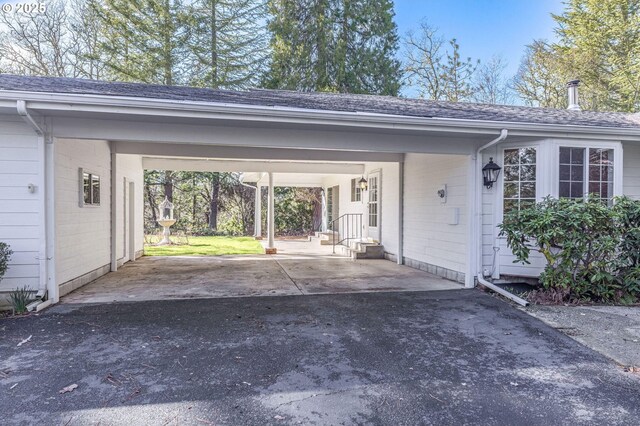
column 178, row 277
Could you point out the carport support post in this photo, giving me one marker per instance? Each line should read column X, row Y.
column 271, row 249
column 114, row 208
column 258, row 212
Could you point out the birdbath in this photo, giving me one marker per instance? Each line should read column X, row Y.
column 166, row 220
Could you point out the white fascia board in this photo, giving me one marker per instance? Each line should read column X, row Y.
column 155, row 163
column 206, row 110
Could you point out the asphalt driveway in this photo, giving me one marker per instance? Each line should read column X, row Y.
column 445, row 357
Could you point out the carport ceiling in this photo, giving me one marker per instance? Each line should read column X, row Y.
column 199, row 151
column 218, row 165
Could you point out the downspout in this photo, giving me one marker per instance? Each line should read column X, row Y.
column 478, row 237
column 43, row 258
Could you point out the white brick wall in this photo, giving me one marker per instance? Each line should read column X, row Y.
column 19, row 209
column 427, row 235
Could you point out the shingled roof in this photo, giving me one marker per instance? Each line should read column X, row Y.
column 324, row 101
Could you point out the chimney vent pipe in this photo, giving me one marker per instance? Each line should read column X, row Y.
column 572, row 88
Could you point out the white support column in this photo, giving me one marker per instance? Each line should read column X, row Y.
column 258, row 212
column 271, row 249
column 114, row 209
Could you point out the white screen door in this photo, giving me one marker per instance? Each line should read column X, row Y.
column 374, row 206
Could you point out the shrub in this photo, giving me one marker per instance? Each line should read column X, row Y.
column 20, row 299
column 592, row 250
column 5, row 256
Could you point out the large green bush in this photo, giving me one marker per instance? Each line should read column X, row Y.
column 592, row 250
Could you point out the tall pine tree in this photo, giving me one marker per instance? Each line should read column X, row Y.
column 228, row 42
column 366, row 45
column 143, row 40
column 334, row 45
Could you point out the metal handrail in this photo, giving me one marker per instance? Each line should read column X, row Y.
column 349, row 222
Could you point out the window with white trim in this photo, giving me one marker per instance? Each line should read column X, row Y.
column 356, row 191
column 90, row 189
column 519, row 178
column 586, row 172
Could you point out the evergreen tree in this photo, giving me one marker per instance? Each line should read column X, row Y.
column 600, row 45
column 227, row 43
column 300, row 45
column 366, row 45
column 334, row 45
column 143, row 40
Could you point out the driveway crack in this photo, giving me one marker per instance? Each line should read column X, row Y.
column 311, row 396
column 284, row 271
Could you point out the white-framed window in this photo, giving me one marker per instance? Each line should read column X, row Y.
column 89, row 188
column 519, row 178
column 356, row 191
column 373, row 201
column 586, row 171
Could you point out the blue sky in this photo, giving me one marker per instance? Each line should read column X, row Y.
column 484, row 28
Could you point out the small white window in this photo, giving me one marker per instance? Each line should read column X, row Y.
column 356, row 192
column 90, row 189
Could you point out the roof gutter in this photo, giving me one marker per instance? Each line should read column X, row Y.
column 21, row 107
column 206, row 110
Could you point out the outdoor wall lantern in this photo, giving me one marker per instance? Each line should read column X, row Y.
column 490, row 173
column 363, row 183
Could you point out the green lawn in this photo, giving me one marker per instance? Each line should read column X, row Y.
column 208, row 246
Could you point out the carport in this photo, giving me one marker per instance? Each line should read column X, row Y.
column 299, row 268
column 113, row 131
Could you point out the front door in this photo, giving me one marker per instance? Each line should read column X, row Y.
column 374, row 206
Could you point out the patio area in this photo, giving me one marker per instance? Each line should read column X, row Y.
column 299, row 268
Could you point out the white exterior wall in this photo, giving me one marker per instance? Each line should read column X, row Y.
column 83, row 234
column 129, row 169
column 497, row 258
column 428, row 236
column 389, row 200
column 546, row 185
column 20, row 212
column 344, row 199
column 631, row 171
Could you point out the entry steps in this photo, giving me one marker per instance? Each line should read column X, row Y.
column 326, row 238
column 363, row 249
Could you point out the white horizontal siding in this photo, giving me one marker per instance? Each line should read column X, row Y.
column 19, row 208
column 428, row 236
column 389, row 201
column 129, row 169
column 631, row 170
column 83, row 234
